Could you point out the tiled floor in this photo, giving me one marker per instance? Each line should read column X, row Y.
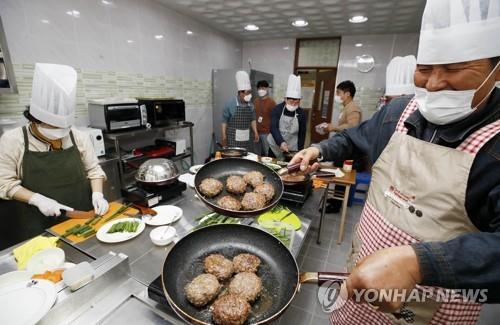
column 305, row 309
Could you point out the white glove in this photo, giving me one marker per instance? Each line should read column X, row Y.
column 100, row 204
column 48, row 207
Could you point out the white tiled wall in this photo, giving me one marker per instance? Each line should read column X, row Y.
column 96, row 44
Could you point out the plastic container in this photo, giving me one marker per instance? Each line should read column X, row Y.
column 348, row 165
column 45, row 260
column 78, row 276
column 162, row 236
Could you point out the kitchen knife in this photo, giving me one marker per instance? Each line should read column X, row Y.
column 76, row 214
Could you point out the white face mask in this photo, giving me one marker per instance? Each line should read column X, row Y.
column 291, row 108
column 247, row 98
column 447, row 106
column 337, row 99
column 53, row 134
column 262, row 92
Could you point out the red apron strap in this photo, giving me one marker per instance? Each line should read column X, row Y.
column 410, row 108
column 479, row 138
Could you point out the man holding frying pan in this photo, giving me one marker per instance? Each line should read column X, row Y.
column 432, row 215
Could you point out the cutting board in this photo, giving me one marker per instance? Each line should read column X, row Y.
column 61, row 228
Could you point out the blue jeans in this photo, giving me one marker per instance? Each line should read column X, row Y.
column 262, row 147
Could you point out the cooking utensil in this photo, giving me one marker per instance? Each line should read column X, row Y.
column 145, row 210
column 157, row 172
column 223, row 168
column 279, row 271
column 76, row 214
column 232, row 152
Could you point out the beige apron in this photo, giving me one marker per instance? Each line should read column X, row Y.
column 417, row 194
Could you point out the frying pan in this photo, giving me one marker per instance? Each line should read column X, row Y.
column 279, row 271
column 221, row 169
column 232, row 152
column 295, row 168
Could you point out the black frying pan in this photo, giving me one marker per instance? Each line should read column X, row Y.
column 221, row 169
column 278, row 271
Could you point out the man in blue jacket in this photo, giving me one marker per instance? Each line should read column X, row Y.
column 432, row 216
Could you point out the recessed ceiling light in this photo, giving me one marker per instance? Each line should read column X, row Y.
column 159, row 37
column 130, row 41
column 358, row 44
column 251, row 27
column 73, row 13
column 189, row 32
column 358, row 19
column 106, row 2
column 300, row 23
column 286, row 48
column 45, row 21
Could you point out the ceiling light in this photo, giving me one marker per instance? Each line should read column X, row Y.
column 130, row 41
column 189, row 32
column 106, row 2
column 159, row 37
column 286, row 48
column 73, row 13
column 251, row 27
column 358, row 19
column 358, row 44
column 45, row 21
column 300, row 23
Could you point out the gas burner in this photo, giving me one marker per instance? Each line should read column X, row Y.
column 152, row 196
column 297, row 193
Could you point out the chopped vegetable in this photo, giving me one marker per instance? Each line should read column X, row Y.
column 118, row 212
column 214, row 218
column 54, row 276
column 124, row 226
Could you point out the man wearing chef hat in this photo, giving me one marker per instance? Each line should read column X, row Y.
column 432, row 215
column 48, row 166
column 399, row 78
column 288, row 121
column 239, row 116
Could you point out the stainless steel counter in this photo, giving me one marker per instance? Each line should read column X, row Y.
column 127, row 288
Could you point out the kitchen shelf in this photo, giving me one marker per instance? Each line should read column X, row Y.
column 115, row 138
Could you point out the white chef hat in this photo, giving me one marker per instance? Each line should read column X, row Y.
column 458, row 31
column 399, row 76
column 243, row 80
column 293, row 88
column 53, row 96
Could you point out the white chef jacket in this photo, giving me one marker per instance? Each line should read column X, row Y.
column 12, row 152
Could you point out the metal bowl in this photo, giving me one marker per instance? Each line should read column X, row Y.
column 158, row 171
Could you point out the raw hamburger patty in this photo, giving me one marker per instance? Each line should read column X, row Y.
column 202, row 289
column 230, row 310
column 253, row 201
column 211, row 187
column 254, row 178
column 265, row 189
column 247, row 285
column 236, row 185
column 229, row 203
column 219, row 266
column 246, row 263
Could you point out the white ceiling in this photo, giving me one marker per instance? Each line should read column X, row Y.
column 325, row 17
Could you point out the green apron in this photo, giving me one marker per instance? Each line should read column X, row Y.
column 58, row 175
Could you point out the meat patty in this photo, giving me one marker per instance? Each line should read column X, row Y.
column 229, row 202
column 246, row 263
column 230, row 309
column 203, row 289
column 266, row 189
column 219, row 266
column 254, row 178
column 294, row 177
column 211, row 187
column 247, row 285
column 236, row 185
column 253, row 201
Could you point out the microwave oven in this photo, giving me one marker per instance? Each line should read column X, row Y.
column 162, row 111
column 112, row 117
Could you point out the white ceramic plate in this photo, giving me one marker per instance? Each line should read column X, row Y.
column 47, row 259
column 118, row 237
column 15, row 277
column 26, row 302
column 188, row 179
column 194, row 169
column 166, row 214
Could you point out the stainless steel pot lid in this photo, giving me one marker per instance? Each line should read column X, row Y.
column 156, row 170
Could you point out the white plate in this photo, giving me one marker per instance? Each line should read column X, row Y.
column 188, row 179
column 14, row 277
column 26, row 302
column 194, row 169
column 166, row 214
column 118, row 237
column 47, row 259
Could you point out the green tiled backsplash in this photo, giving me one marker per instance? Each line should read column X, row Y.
column 93, row 84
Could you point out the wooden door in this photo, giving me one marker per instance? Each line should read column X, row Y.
column 323, row 102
